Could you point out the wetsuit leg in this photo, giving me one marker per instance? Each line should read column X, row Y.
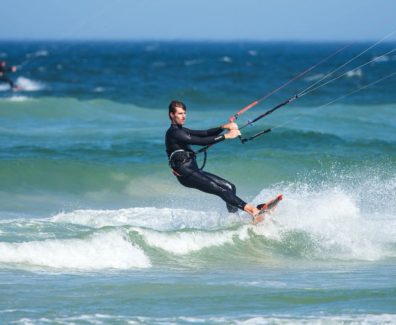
column 225, row 184
column 9, row 81
column 209, row 183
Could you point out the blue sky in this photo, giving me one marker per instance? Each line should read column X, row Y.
column 267, row 20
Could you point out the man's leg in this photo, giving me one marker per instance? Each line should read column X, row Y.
column 210, row 183
column 224, row 184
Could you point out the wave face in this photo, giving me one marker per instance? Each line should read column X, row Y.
column 100, row 153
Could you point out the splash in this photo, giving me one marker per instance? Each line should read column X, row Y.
column 311, row 223
column 29, row 85
column 345, row 217
column 164, row 219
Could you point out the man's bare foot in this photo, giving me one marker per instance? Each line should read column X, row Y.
column 255, row 213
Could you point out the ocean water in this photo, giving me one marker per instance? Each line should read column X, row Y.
column 94, row 229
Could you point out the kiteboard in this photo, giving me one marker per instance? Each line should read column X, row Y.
column 267, row 208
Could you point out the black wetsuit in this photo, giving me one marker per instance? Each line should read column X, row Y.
column 4, row 78
column 182, row 160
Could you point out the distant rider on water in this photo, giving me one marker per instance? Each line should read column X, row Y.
column 3, row 77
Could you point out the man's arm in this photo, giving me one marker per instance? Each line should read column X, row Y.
column 214, row 131
column 206, row 133
column 10, row 69
column 187, row 136
column 183, row 136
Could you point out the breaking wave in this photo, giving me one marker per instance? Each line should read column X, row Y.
column 321, row 223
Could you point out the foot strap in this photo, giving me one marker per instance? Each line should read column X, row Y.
column 264, row 207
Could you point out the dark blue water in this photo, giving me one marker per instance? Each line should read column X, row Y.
column 216, row 75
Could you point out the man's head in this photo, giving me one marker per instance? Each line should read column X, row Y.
column 177, row 112
column 2, row 63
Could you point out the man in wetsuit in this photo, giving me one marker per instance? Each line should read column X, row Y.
column 183, row 163
column 3, row 78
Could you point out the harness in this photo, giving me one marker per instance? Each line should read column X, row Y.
column 174, row 152
column 181, row 156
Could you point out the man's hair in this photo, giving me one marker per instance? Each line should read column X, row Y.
column 176, row 103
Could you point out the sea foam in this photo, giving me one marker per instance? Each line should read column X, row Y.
column 29, row 85
column 349, row 219
column 333, row 224
column 99, row 251
column 162, row 219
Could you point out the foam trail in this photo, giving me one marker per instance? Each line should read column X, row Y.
column 100, row 318
column 29, row 85
column 100, row 251
column 17, row 98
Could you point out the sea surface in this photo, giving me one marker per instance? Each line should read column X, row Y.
column 95, row 229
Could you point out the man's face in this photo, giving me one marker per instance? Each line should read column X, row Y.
column 179, row 116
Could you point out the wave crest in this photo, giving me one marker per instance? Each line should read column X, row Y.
column 99, row 251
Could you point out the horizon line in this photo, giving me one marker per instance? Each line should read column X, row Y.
column 201, row 40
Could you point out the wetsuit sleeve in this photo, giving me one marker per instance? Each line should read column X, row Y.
column 186, row 137
column 6, row 69
column 205, row 133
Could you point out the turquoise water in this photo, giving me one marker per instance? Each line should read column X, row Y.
column 94, row 229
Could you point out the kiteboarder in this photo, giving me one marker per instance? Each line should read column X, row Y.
column 3, row 74
column 182, row 159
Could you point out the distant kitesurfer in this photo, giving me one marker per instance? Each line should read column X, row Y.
column 182, row 159
column 3, row 77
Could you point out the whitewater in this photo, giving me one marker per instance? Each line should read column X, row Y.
column 311, row 225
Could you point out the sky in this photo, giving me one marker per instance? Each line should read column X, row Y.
column 261, row 20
